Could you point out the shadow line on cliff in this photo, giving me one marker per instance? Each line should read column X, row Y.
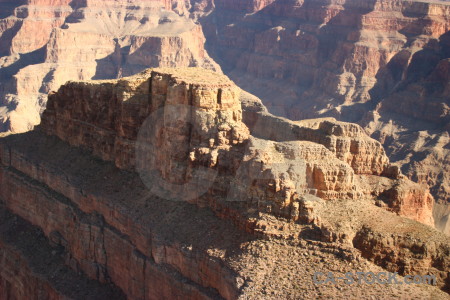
column 31, row 58
column 7, row 37
column 7, row 8
column 116, row 65
column 404, row 72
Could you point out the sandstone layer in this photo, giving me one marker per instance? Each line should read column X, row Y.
column 108, row 226
column 33, row 268
column 334, row 53
column 173, row 121
column 382, row 64
column 112, row 174
column 46, row 43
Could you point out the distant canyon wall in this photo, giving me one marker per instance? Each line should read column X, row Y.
column 43, row 44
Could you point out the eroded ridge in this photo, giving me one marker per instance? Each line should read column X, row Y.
column 111, row 161
column 194, row 117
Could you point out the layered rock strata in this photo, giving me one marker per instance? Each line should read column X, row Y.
column 111, row 228
column 382, row 64
column 321, row 58
column 331, row 52
column 32, row 267
column 178, row 120
column 79, row 40
column 355, row 151
column 75, row 178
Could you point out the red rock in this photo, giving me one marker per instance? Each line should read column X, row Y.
column 326, row 155
column 46, row 43
column 309, row 59
column 114, row 228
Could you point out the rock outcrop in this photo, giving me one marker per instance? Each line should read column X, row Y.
column 204, row 108
column 172, row 121
column 104, row 173
column 381, row 64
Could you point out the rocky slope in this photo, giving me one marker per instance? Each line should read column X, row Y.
column 382, row 64
column 138, row 183
column 46, row 43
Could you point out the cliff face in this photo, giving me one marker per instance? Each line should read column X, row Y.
column 167, row 137
column 46, row 43
column 33, row 267
column 382, row 64
column 178, row 120
column 332, row 52
column 305, row 195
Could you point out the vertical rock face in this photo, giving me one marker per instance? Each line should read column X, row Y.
column 25, row 29
column 403, row 199
column 45, row 44
column 27, row 257
column 170, row 125
column 419, row 103
column 383, row 64
column 199, row 109
column 325, row 49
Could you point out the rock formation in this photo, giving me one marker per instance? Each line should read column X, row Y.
column 101, row 186
column 101, row 175
column 46, row 43
column 331, row 52
column 179, row 119
column 382, row 64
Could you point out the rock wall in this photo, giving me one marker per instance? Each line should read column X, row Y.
column 167, row 250
column 31, row 267
column 398, row 258
column 206, row 115
column 382, row 64
column 107, row 250
column 101, row 239
column 331, row 52
column 174, row 121
column 349, row 144
column 79, row 40
column 79, row 179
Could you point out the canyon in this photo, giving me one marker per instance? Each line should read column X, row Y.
column 216, row 149
column 167, row 184
column 381, row 64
